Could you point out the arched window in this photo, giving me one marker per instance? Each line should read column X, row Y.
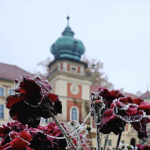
column 74, row 113
column 132, row 142
column 1, row 91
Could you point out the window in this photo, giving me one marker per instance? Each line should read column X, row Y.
column 10, row 91
column 74, row 114
column 73, row 69
column 109, row 142
column 132, row 142
column 1, row 91
column 46, row 120
column 122, row 142
column 1, row 111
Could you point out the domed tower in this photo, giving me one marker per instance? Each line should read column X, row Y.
column 67, row 75
column 67, row 46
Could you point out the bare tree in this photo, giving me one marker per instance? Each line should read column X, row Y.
column 45, row 64
column 95, row 70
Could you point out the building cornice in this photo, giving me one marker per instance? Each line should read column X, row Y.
column 69, row 75
column 68, row 59
column 5, row 79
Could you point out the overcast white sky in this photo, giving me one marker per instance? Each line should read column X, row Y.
column 117, row 32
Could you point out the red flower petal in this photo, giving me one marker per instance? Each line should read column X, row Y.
column 111, row 123
column 25, row 135
column 109, row 116
column 119, row 104
column 12, row 99
column 53, row 97
column 13, row 134
column 123, row 100
column 28, row 148
column 145, row 106
column 19, row 143
column 112, row 106
column 138, row 125
column 138, row 101
column 132, row 110
column 130, row 100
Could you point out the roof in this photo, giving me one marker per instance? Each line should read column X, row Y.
column 10, row 72
column 145, row 95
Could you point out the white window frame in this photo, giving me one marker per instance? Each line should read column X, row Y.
column 2, row 112
column 1, row 88
column 9, row 91
column 77, row 113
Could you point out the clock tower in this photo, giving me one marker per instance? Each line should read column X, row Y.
column 67, row 77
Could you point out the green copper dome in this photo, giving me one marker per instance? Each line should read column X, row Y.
column 67, row 46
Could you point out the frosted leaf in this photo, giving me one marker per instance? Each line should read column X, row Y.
column 73, row 124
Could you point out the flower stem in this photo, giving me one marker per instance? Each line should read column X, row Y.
column 78, row 137
column 98, row 138
column 63, row 131
column 106, row 141
column 97, row 110
column 118, row 141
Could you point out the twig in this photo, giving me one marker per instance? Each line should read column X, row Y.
column 118, row 141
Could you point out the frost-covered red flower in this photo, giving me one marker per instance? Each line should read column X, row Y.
column 108, row 96
column 126, row 109
column 41, row 137
column 133, row 111
column 5, row 129
column 14, row 136
column 111, row 123
column 32, row 100
column 143, row 147
column 141, row 128
column 19, row 140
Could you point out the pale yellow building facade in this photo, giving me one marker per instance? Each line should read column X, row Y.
column 6, row 87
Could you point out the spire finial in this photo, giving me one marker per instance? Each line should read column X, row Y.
column 68, row 20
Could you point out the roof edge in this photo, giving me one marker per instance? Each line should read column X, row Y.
column 66, row 58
